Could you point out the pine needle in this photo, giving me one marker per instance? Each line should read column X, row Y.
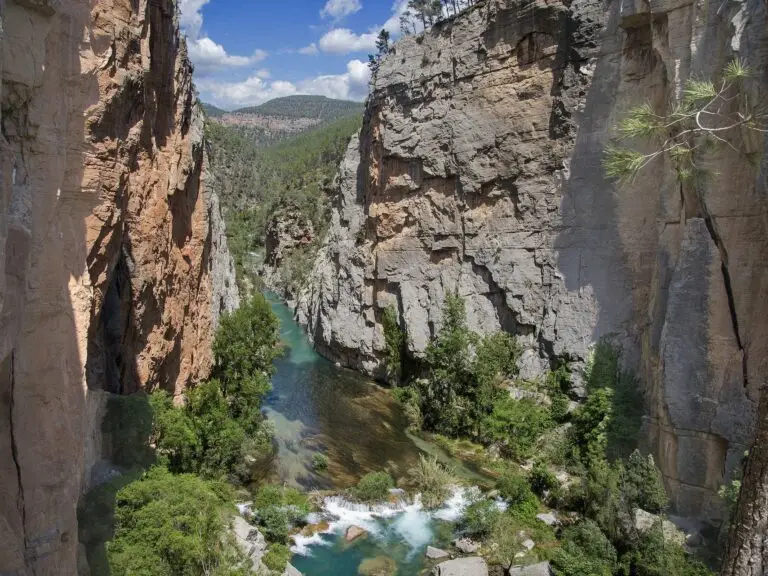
column 640, row 122
column 736, row 70
column 698, row 90
column 621, row 163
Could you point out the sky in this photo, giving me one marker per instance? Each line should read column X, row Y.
column 246, row 52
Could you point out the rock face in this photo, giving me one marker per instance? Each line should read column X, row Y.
column 478, row 169
column 113, row 267
column 287, row 230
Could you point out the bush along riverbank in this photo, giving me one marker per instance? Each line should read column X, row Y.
column 179, row 467
column 576, row 491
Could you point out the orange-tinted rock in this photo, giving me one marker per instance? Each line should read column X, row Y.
column 106, row 249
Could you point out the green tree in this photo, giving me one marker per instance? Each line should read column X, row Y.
column 480, row 518
column 449, row 399
column 169, row 525
column 394, row 337
column 642, row 484
column 516, row 425
column 374, row 487
column 710, row 114
column 244, row 348
column 585, row 551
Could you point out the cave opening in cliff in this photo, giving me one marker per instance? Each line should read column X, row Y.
column 108, row 368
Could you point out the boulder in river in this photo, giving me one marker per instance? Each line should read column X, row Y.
column 379, row 566
column 466, row 546
column 436, row 553
column 474, row 566
column 353, row 533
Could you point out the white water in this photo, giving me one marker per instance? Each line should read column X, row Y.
column 409, row 521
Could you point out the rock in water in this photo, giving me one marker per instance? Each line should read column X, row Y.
column 379, row 566
column 466, row 546
column 436, row 553
column 354, row 532
column 474, row 566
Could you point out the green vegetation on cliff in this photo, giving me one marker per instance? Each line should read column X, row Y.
column 582, row 462
column 257, row 183
column 174, row 518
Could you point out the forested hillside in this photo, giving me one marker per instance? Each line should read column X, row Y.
column 256, row 180
column 320, row 107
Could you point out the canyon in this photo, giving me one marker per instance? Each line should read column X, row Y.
column 478, row 170
column 113, row 258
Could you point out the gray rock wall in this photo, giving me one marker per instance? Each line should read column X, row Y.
column 478, row 169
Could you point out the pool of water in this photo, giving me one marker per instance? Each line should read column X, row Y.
column 317, row 407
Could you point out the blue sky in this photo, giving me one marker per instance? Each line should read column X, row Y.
column 249, row 51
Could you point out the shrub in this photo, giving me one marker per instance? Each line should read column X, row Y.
column 319, row 462
column 373, row 487
column 275, row 524
column 409, row 398
column 480, row 518
column 278, row 509
column 541, row 479
column 505, row 541
column 394, row 337
column 517, row 493
column 496, row 357
column 172, row 524
column 642, row 485
column 653, row 556
column 433, row 480
column 516, row 424
column 277, row 557
column 585, row 551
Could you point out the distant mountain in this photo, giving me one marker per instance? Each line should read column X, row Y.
column 282, row 118
column 315, row 107
column 212, row 111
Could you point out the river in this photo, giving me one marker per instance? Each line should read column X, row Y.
column 317, row 407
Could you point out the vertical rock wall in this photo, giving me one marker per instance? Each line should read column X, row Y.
column 478, row 168
column 112, row 264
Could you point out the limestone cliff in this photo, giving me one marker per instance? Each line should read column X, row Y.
column 478, row 168
column 113, row 263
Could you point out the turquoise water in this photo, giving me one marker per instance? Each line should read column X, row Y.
column 317, row 407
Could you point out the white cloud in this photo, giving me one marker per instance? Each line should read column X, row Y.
column 351, row 85
column 208, row 56
column 310, row 50
column 249, row 92
column 340, row 8
column 191, row 18
column 344, row 41
column 392, row 25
